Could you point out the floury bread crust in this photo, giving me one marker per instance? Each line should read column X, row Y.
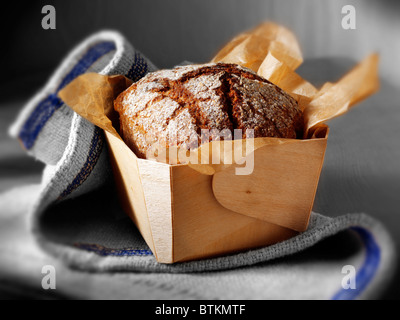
column 181, row 102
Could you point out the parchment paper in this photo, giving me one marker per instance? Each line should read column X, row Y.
column 270, row 50
column 273, row 52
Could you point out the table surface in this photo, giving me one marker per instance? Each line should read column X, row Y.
column 361, row 171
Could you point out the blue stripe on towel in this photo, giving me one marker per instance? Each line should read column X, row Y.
column 104, row 251
column 38, row 119
column 94, row 54
column 138, row 69
column 95, row 149
column 367, row 271
column 46, row 108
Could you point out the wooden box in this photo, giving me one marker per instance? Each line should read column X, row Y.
column 185, row 215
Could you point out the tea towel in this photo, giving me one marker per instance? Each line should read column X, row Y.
column 99, row 254
column 69, row 223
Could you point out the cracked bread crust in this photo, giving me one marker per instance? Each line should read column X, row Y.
column 171, row 107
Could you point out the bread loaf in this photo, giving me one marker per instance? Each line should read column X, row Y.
column 182, row 101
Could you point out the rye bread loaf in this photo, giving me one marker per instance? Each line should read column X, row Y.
column 171, row 107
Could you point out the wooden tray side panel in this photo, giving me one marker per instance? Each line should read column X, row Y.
column 156, row 183
column 203, row 227
column 127, row 180
column 282, row 187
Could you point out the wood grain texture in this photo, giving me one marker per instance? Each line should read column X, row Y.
column 156, row 183
column 204, row 228
column 176, row 211
column 282, row 186
column 129, row 185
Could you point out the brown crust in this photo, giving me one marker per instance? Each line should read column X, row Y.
column 184, row 100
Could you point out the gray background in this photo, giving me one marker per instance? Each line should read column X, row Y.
column 170, row 31
column 362, row 166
